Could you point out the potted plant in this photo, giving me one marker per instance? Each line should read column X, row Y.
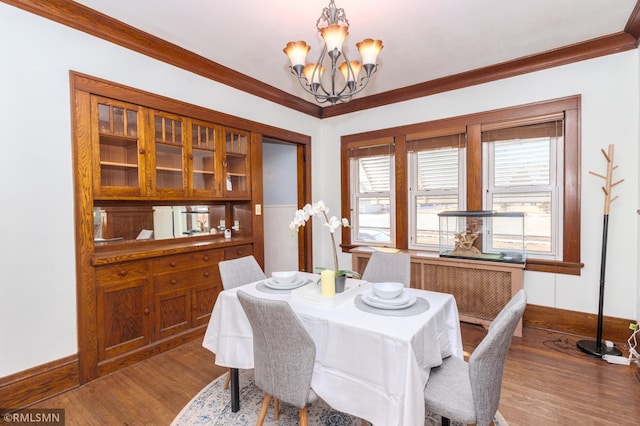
column 332, row 223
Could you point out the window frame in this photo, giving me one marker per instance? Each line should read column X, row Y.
column 355, row 195
column 555, row 188
column 414, row 192
column 571, row 198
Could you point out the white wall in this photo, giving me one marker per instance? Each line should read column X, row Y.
column 37, row 257
column 609, row 89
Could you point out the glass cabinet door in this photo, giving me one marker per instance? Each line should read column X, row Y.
column 203, row 160
column 169, row 167
column 236, row 162
column 119, row 152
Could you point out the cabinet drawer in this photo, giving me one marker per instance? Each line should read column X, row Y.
column 184, row 279
column 181, row 262
column 122, row 272
column 238, row 251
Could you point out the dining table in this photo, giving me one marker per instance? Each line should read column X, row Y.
column 371, row 362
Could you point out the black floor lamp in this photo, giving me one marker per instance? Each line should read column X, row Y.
column 596, row 347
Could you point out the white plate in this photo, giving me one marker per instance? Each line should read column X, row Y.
column 271, row 283
column 403, row 298
column 386, row 305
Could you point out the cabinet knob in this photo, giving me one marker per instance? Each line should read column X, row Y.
column 146, row 311
column 206, row 274
column 172, row 264
column 123, row 272
column 174, row 281
column 142, row 151
column 205, row 258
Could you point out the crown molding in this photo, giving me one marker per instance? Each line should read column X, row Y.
column 578, row 52
column 89, row 21
column 82, row 18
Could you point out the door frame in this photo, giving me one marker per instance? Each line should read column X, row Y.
column 303, row 188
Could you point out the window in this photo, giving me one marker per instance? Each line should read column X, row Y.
column 519, row 159
column 436, row 184
column 523, row 173
column 371, row 171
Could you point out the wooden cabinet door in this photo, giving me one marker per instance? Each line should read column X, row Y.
column 204, row 297
column 172, row 313
column 205, row 161
column 236, row 163
column 124, row 317
column 168, row 156
column 119, row 156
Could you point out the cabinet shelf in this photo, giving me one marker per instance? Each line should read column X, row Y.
column 204, row 172
column 122, row 165
column 115, row 138
column 169, row 169
column 177, row 144
column 237, row 174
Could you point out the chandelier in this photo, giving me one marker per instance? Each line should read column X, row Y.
column 334, row 28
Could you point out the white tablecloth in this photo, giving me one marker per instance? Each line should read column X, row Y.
column 371, row 366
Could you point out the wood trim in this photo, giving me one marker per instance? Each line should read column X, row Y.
column 82, row 18
column 475, row 195
column 116, row 363
column 570, row 105
column 602, row 46
column 257, row 196
column 577, row 323
column 35, row 384
column 633, row 24
column 402, row 189
column 83, row 210
column 345, row 192
column 305, row 235
column 121, row 92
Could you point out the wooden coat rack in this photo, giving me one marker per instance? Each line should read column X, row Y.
column 597, row 348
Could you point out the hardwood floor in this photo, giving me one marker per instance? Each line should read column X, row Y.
column 547, row 381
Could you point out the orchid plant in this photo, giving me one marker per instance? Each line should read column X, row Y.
column 332, row 223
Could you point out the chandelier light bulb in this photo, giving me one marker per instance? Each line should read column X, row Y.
column 313, row 73
column 297, row 52
column 352, row 75
column 334, row 36
column 369, row 50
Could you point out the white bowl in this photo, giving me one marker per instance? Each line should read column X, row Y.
column 388, row 290
column 284, row 277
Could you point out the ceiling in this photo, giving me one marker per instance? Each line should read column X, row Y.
column 423, row 39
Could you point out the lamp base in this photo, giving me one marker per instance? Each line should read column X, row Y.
column 593, row 348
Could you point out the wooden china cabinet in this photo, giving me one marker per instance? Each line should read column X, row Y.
column 156, row 185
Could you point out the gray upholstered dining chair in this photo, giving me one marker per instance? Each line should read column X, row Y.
column 283, row 354
column 240, row 271
column 470, row 392
column 387, row 266
column 237, row 272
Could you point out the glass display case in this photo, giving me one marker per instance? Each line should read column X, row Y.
column 482, row 235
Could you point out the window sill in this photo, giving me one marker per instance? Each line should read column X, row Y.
column 537, row 265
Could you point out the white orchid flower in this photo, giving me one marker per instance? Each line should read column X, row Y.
column 320, row 207
column 333, row 224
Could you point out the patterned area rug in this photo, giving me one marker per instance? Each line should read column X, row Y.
column 212, row 407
